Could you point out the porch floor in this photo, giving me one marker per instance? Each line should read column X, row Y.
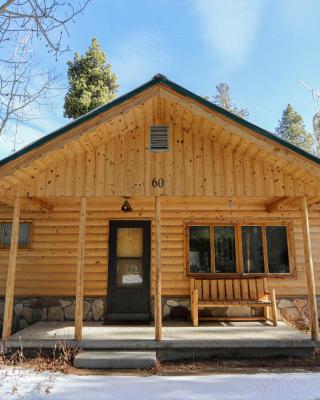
column 176, row 334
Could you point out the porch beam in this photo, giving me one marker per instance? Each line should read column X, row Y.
column 11, row 275
column 80, row 270
column 314, row 326
column 273, row 205
column 7, row 201
column 36, row 202
column 28, row 203
column 157, row 297
column 313, row 201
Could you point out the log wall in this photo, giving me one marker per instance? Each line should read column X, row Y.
column 49, row 267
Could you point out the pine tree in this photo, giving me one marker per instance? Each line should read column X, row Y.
column 222, row 98
column 91, row 82
column 292, row 129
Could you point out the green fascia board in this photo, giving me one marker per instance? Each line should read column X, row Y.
column 177, row 88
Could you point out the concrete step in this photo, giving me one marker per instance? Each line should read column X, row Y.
column 109, row 359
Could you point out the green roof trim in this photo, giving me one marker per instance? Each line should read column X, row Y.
column 177, row 88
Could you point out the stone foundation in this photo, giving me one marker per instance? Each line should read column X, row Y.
column 27, row 311
column 30, row 310
column 295, row 311
column 292, row 310
column 179, row 308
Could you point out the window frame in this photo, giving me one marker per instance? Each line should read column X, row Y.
column 238, row 247
column 28, row 247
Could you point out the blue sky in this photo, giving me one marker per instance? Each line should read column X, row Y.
column 261, row 48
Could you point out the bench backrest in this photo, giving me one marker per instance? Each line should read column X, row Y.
column 230, row 289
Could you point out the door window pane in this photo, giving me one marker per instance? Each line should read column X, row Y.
column 199, row 249
column 129, row 242
column 252, row 249
column 278, row 257
column 129, row 272
column 224, row 249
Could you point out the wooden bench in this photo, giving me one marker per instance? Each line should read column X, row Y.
column 209, row 293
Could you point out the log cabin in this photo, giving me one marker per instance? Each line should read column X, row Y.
column 113, row 216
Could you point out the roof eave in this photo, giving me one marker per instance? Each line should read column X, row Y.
column 158, row 79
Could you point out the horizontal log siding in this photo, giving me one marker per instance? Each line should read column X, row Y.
column 49, row 267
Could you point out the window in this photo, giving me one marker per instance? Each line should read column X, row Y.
column 199, row 249
column 129, row 257
column 238, row 249
column 159, row 138
column 278, row 257
column 224, row 249
column 5, row 235
column 252, row 249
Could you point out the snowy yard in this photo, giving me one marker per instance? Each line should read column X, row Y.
column 28, row 385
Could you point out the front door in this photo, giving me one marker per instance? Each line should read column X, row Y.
column 129, row 271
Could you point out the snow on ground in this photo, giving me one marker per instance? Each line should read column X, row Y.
column 29, row 385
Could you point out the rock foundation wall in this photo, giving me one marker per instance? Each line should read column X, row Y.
column 27, row 311
column 292, row 310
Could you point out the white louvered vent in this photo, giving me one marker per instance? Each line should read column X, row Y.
column 159, row 138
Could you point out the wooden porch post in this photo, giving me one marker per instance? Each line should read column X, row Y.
column 157, row 297
column 11, row 276
column 314, row 328
column 80, row 270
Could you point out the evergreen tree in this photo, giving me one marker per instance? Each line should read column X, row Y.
column 91, row 82
column 292, row 129
column 222, row 98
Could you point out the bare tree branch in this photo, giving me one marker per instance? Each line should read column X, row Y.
column 24, row 86
column 46, row 19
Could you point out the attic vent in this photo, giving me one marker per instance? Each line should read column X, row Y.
column 158, row 138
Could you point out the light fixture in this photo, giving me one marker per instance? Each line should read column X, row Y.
column 230, row 202
column 126, row 206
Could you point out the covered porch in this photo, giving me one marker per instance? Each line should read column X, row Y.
column 179, row 339
column 267, row 208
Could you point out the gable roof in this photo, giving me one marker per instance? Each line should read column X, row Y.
column 158, row 79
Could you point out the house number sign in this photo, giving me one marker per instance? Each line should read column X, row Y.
column 157, row 182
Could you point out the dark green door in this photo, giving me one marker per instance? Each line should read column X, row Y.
column 129, row 271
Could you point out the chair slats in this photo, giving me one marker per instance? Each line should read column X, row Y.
column 252, row 289
column 221, row 289
column 260, row 289
column 229, row 289
column 206, row 290
column 213, row 289
column 237, row 289
column 244, row 289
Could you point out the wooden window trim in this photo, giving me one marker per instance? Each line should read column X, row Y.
column 28, row 247
column 239, row 260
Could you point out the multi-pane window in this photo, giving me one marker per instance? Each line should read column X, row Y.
column 278, row 257
column 199, row 249
column 224, row 249
column 238, row 249
column 252, row 249
column 5, row 235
